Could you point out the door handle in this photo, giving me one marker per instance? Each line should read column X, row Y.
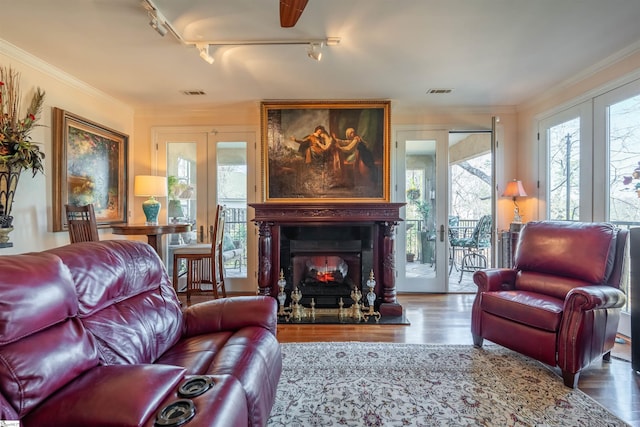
column 201, row 234
column 442, row 232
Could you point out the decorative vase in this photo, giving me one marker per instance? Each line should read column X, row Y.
column 9, row 176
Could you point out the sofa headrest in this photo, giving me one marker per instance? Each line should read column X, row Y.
column 584, row 251
column 109, row 271
column 36, row 291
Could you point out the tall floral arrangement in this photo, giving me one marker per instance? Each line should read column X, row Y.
column 16, row 147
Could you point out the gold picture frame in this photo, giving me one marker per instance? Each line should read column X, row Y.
column 320, row 151
column 89, row 166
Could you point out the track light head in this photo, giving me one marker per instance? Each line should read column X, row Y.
column 314, row 51
column 157, row 25
column 204, row 52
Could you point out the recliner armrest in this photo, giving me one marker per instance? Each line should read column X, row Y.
column 495, row 279
column 231, row 314
column 594, row 297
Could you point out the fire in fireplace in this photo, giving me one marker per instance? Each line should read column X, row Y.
column 326, row 278
column 325, row 270
column 326, row 263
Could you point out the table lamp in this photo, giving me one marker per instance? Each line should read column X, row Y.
column 152, row 187
column 515, row 189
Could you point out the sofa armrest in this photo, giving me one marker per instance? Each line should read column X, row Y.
column 589, row 326
column 126, row 395
column 6, row 410
column 231, row 314
column 594, row 297
column 495, row 279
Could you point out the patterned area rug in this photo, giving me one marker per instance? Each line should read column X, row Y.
column 381, row 384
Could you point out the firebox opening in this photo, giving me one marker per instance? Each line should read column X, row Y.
column 326, row 263
column 326, row 278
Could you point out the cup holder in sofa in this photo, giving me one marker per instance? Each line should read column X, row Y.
column 195, row 386
column 181, row 411
column 176, row 413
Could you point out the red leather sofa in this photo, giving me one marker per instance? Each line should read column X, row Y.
column 561, row 302
column 92, row 334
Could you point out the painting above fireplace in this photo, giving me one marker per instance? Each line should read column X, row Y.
column 325, row 150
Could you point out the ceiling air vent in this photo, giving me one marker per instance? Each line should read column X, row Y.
column 193, row 92
column 438, row 91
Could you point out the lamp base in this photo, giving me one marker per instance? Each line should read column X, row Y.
column 151, row 209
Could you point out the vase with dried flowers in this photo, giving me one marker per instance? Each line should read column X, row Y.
column 17, row 151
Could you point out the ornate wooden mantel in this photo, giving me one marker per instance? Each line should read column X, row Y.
column 383, row 217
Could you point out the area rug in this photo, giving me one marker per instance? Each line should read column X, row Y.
column 382, row 384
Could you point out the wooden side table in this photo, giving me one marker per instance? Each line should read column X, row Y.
column 153, row 232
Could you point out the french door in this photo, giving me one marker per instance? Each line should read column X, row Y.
column 421, row 181
column 205, row 169
column 617, row 178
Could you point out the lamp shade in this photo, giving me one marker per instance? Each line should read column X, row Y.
column 514, row 189
column 150, row 185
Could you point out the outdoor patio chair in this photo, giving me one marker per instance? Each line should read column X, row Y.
column 473, row 257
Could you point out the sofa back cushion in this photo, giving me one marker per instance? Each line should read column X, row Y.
column 553, row 257
column 43, row 346
column 125, row 299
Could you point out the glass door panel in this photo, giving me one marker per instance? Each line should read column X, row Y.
column 422, row 182
column 231, row 190
column 565, row 193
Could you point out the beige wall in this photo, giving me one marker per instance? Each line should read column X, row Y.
column 32, row 208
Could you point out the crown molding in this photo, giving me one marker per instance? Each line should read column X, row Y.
column 44, row 67
column 593, row 70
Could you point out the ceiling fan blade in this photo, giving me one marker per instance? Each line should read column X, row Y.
column 290, row 11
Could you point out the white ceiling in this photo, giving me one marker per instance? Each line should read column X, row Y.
column 491, row 52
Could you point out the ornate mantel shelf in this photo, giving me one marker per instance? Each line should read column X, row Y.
column 383, row 217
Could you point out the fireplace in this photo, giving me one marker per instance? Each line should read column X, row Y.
column 327, row 250
column 325, row 263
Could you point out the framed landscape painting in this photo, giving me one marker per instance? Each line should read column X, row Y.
column 89, row 167
column 325, row 151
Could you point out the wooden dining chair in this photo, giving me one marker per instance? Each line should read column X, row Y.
column 204, row 263
column 81, row 223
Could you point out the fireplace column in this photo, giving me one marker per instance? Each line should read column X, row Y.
column 266, row 275
column 387, row 292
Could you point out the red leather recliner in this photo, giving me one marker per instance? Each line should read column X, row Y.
column 561, row 302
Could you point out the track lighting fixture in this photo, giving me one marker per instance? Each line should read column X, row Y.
column 203, row 48
column 314, row 51
column 159, row 23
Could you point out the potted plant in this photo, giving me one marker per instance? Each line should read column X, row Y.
column 17, row 151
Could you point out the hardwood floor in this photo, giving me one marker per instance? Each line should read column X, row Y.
column 445, row 319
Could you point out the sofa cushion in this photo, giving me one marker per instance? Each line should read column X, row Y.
column 125, row 297
column 42, row 345
column 122, row 395
column 529, row 308
column 37, row 292
column 562, row 248
column 547, row 284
